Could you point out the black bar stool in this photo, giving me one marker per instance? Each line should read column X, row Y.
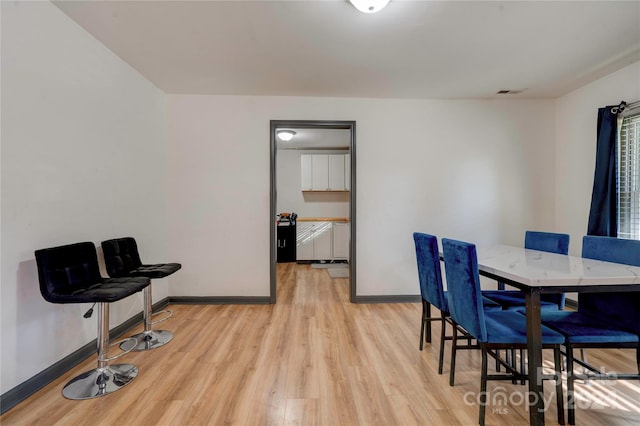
column 122, row 259
column 70, row 274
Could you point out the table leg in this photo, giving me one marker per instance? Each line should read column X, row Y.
column 534, row 351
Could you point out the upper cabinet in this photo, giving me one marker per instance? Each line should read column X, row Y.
column 324, row 172
column 347, row 172
column 306, row 182
column 320, row 173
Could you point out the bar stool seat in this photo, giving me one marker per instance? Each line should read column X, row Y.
column 160, row 270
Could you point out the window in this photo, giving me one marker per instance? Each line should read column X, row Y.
column 629, row 178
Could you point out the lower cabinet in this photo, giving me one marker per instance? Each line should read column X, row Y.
column 340, row 241
column 322, row 241
column 313, row 241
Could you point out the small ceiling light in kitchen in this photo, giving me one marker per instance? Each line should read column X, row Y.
column 369, row 6
column 509, row 92
column 286, row 135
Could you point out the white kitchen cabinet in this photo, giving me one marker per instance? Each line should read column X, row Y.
column 336, row 173
column 314, row 240
column 306, row 181
column 340, row 241
column 347, row 172
column 322, row 241
column 320, row 172
column 323, row 172
column 304, row 241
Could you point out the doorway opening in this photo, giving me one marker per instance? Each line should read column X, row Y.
column 320, row 142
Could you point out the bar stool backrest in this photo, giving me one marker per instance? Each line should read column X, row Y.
column 121, row 256
column 64, row 270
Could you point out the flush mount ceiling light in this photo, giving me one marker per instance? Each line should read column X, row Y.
column 286, row 135
column 509, row 92
column 369, row 6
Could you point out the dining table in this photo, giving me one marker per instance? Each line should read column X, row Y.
column 535, row 273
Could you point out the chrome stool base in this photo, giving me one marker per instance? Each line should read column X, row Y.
column 100, row 381
column 150, row 340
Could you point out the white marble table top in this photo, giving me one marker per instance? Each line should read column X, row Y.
column 534, row 268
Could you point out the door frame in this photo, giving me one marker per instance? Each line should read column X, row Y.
column 313, row 124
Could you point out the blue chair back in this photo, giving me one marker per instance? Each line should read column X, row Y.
column 429, row 272
column 611, row 249
column 622, row 309
column 547, row 241
column 463, row 287
column 553, row 243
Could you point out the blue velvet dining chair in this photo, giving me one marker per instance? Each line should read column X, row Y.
column 550, row 242
column 433, row 294
column 493, row 330
column 603, row 320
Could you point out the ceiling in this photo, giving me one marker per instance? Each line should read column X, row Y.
column 411, row 49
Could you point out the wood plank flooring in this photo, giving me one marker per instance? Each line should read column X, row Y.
column 311, row 359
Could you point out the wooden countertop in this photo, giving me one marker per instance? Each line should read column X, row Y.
column 322, row 219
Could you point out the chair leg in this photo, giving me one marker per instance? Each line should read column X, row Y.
column 428, row 315
column 571, row 402
column 442, row 340
column 523, row 367
column 583, row 357
column 500, row 285
column 150, row 339
column 454, row 344
column 557, row 362
column 511, row 359
column 423, row 323
column 483, row 386
column 638, row 358
column 106, row 378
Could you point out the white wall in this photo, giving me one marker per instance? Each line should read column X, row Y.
column 576, row 118
column 290, row 197
column 83, row 159
column 482, row 171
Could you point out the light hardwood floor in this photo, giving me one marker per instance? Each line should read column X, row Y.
column 314, row 359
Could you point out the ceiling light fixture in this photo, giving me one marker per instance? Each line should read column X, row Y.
column 509, row 92
column 369, row 6
column 286, row 135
